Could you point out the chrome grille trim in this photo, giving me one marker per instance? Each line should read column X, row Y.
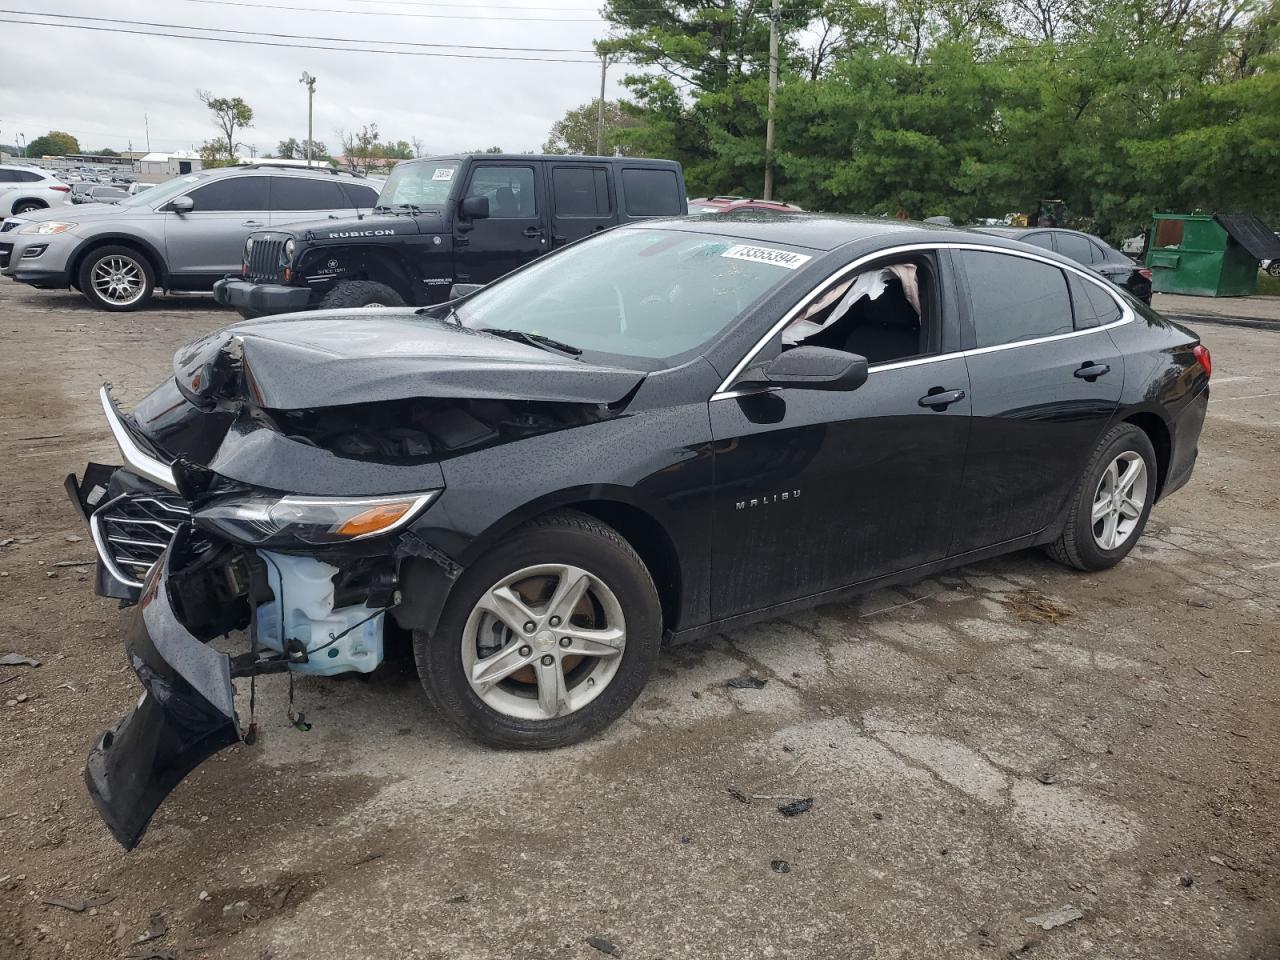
column 131, row 531
column 264, row 258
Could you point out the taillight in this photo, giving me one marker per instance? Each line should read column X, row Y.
column 1201, row 353
column 61, row 188
column 1144, row 273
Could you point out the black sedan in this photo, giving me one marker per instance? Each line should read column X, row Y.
column 1089, row 251
column 664, row 431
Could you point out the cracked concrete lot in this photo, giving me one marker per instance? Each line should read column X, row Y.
column 981, row 748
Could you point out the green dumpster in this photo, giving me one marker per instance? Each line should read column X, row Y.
column 1208, row 255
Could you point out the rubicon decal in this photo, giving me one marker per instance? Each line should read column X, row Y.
column 767, row 500
column 360, row 233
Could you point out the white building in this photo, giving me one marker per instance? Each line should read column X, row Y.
column 169, row 164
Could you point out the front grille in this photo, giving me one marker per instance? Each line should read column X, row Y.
column 6, row 251
column 132, row 531
column 264, row 258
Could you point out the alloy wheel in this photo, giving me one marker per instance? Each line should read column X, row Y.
column 543, row 642
column 1119, row 500
column 119, row 280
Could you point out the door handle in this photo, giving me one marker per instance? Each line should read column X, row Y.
column 1092, row 371
column 940, row 399
column 252, row 223
column 532, row 231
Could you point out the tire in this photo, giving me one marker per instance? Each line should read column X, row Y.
column 26, row 206
column 1273, row 268
column 361, row 293
column 126, row 263
column 1087, row 543
column 511, row 713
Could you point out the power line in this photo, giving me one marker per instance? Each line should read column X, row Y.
column 391, row 13
column 289, row 36
column 297, row 46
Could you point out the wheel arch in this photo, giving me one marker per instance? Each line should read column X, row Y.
column 1157, row 431
column 121, row 240
column 365, row 263
column 41, row 203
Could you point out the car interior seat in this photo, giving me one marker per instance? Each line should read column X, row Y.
column 504, row 203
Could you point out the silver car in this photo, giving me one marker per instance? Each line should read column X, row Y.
column 182, row 235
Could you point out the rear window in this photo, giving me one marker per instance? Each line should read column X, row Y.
column 1077, row 248
column 301, row 193
column 651, row 193
column 1092, row 305
column 359, row 195
column 1014, row 298
column 581, row 191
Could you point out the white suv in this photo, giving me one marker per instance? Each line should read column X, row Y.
column 24, row 189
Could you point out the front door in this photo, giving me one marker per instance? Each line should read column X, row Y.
column 1045, row 386
column 207, row 242
column 582, row 201
column 815, row 489
column 514, row 232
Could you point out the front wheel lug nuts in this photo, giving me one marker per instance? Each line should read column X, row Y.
column 530, row 626
column 565, row 641
column 548, row 660
column 525, row 651
column 555, row 621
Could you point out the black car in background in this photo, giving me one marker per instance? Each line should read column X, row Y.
column 1087, row 250
column 663, row 432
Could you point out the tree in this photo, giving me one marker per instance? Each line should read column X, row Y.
column 213, row 153
column 230, row 114
column 107, row 152
column 55, row 143
column 575, row 132
column 291, row 149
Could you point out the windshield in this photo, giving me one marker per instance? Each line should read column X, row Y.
column 420, row 184
column 637, row 293
column 161, row 192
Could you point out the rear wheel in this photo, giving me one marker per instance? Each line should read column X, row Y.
column 1111, row 503
column 361, row 293
column 546, row 640
column 117, row 278
column 26, row 206
column 1273, row 268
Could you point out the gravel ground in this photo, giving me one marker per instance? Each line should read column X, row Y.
column 981, row 748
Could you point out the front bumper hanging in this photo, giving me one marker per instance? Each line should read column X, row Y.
column 186, row 714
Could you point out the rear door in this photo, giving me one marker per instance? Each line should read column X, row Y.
column 651, row 192
column 515, row 230
column 582, row 200
column 207, row 243
column 1044, row 389
column 296, row 199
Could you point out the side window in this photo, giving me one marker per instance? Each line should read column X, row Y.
column 509, row 189
column 8, row 176
column 1013, row 298
column 231, row 193
column 581, row 191
column 1040, row 240
column 301, row 193
column 28, row 176
column 884, row 313
column 1092, row 305
column 1075, row 247
column 359, row 195
column 651, row 193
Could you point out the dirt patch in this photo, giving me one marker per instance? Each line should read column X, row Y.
column 1032, row 606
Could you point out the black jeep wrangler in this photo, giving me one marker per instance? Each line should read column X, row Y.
column 445, row 221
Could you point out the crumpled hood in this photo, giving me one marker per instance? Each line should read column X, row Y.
column 334, row 358
column 371, row 228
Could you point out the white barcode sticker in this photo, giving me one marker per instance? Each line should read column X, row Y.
column 443, row 173
column 779, row 258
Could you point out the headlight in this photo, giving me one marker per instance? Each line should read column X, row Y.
column 248, row 247
column 46, row 227
column 287, row 253
column 263, row 519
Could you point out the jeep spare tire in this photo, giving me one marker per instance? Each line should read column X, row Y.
column 361, row 293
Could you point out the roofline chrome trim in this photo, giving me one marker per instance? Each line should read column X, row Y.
column 137, row 459
column 726, row 387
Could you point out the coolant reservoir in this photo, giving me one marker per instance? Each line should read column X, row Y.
column 303, row 605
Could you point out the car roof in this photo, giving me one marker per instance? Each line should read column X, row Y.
column 556, row 157
column 818, row 231
column 1014, row 233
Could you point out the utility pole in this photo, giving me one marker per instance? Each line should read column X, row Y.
column 308, row 81
column 146, row 123
column 604, row 66
column 23, row 148
column 775, row 12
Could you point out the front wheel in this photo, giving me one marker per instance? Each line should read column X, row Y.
column 27, row 206
column 1273, row 268
column 117, row 279
column 546, row 640
column 360, row 293
column 1111, row 503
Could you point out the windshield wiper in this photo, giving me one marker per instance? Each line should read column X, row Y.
column 534, row 340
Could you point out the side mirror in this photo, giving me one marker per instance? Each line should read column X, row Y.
column 460, row 290
column 815, row 368
column 182, row 205
column 474, row 208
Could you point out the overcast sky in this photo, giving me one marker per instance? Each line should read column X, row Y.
column 98, row 85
